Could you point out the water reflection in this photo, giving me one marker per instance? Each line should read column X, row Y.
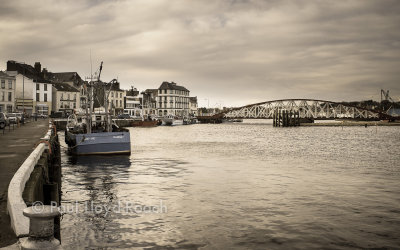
column 241, row 186
column 93, row 186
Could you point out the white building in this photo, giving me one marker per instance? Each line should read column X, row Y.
column 116, row 99
column 193, row 106
column 7, row 92
column 149, row 101
column 72, row 79
column 132, row 103
column 172, row 99
column 42, row 98
column 65, row 98
column 32, row 92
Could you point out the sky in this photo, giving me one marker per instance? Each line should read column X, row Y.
column 226, row 52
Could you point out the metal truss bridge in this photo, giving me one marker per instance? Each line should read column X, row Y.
column 307, row 108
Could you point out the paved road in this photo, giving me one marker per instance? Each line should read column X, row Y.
column 15, row 147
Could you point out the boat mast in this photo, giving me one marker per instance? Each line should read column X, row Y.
column 106, row 103
column 89, row 95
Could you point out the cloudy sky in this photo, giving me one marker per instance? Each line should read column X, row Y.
column 226, row 52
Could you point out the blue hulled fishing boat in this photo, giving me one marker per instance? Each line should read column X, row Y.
column 90, row 133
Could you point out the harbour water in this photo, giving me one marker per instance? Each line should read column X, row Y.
column 238, row 186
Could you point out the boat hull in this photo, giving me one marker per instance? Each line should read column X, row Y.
column 172, row 122
column 144, row 123
column 101, row 143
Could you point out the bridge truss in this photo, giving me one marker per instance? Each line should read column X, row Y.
column 307, row 108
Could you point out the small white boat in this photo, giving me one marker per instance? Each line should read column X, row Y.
column 171, row 120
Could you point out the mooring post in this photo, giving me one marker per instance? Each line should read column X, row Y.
column 41, row 228
column 279, row 118
column 284, row 115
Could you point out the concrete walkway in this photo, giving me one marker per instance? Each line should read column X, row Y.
column 15, row 147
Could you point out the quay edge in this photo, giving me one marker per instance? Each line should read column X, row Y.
column 38, row 180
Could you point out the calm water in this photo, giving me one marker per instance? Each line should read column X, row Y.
column 239, row 186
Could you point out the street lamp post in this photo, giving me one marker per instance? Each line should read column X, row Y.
column 23, row 90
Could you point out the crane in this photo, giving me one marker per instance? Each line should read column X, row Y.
column 385, row 96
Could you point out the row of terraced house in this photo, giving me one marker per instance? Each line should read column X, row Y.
column 31, row 89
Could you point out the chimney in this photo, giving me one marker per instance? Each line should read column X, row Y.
column 38, row 67
column 44, row 72
column 11, row 66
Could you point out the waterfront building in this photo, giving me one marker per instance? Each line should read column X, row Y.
column 33, row 93
column 7, row 92
column 115, row 97
column 149, row 101
column 72, row 79
column 65, row 98
column 172, row 99
column 132, row 103
column 193, row 106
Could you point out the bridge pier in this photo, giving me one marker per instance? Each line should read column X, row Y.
column 286, row 118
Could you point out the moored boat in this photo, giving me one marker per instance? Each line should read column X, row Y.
column 99, row 143
column 101, row 136
column 171, row 120
column 138, row 123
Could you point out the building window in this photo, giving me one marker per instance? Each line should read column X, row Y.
column 120, row 103
column 120, row 95
column 112, row 94
column 62, row 96
column 74, row 97
column 10, row 84
column 37, row 96
column 37, row 86
column 2, row 96
column 45, row 87
column 45, row 96
column 68, row 97
column 3, row 84
column 9, row 108
column 10, row 96
column 74, row 105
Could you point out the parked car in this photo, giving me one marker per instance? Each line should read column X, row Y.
column 13, row 118
column 124, row 116
column 3, row 120
column 39, row 115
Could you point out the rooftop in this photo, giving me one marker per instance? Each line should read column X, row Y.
column 172, row 85
column 64, row 87
column 4, row 74
column 26, row 70
column 65, row 77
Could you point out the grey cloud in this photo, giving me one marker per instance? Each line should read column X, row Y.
column 232, row 51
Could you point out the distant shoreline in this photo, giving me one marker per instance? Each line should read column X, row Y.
column 351, row 123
